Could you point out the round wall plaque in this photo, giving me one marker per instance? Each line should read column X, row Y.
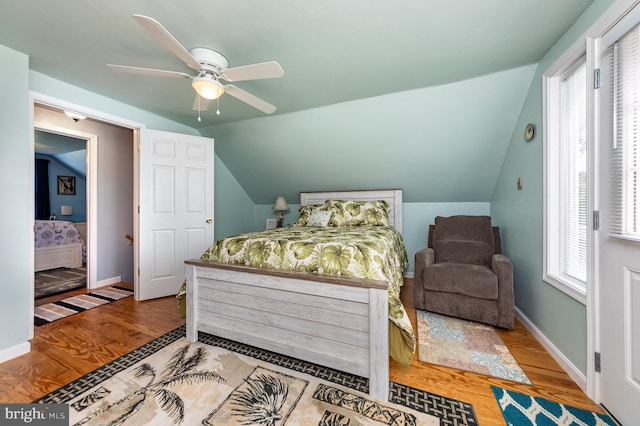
column 528, row 132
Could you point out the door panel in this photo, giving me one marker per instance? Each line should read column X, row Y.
column 176, row 201
column 618, row 263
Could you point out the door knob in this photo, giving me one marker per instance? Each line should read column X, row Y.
column 209, row 220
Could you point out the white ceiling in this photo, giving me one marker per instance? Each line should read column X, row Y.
column 332, row 51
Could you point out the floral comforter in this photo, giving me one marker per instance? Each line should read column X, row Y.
column 49, row 233
column 373, row 252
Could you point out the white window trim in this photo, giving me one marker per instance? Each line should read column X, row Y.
column 551, row 80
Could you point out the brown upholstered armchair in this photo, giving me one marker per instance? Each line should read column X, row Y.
column 462, row 272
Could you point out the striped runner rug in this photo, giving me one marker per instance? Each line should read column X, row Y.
column 50, row 312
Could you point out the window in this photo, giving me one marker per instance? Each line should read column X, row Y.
column 573, row 175
column 566, row 178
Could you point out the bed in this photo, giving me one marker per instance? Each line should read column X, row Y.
column 325, row 308
column 58, row 244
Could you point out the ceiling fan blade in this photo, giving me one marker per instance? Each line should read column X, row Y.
column 200, row 103
column 165, row 37
column 259, row 71
column 249, row 99
column 148, row 71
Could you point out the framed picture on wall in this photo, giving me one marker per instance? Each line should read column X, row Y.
column 66, row 185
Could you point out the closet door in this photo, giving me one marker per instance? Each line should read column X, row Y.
column 175, row 209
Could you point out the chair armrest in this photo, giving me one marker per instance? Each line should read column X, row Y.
column 424, row 258
column 503, row 269
column 501, row 265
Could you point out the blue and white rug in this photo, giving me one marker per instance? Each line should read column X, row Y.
column 523, row 410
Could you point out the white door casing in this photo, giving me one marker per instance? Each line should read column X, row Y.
column 175, row 219
column 618, row 282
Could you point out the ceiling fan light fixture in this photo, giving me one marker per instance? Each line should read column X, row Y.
column 207, row 87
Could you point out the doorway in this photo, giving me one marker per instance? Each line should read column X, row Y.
column 109, row 191
column 60, row 214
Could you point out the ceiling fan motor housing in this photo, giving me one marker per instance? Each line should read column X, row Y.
column 210, row 60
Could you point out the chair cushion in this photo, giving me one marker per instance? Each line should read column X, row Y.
column 463, row 239
column 469, row 280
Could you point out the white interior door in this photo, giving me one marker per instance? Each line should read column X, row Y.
column 618, row 262
column 175, row 208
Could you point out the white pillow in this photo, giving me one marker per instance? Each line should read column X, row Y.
column 319, row 218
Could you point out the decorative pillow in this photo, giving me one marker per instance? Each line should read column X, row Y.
column 319, row 218
column 358, row 213
column 305, row 213
column 377, row 213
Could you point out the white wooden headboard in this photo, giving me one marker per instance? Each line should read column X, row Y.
column 391, row 196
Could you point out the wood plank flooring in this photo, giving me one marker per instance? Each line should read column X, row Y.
column 69, row 348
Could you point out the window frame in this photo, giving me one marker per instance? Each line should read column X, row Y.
column 552, row 82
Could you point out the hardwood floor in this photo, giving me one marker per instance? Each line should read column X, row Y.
column 69, row 348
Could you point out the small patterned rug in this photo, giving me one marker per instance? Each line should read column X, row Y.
column 59, row 280
column 50, row 312
column 220, row 382
column 523, row 410
column 465, row 345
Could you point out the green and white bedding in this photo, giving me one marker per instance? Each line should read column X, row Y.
column 373, row 252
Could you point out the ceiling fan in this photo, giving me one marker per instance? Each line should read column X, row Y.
column 211, row 68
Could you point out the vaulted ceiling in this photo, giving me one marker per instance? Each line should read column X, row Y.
column 418, row 94
column 332, row 51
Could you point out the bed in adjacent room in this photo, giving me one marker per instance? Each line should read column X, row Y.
column 58, row 244
column 326, row 290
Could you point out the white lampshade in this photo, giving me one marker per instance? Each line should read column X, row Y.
column 207, row 87
column 66, row 210
column 280, row 204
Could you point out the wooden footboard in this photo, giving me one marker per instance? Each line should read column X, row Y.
column 340, row 323
column 65, row 256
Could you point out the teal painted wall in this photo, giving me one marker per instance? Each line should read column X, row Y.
column 439, row 144
column 16, row 189
column 520, row 213
column 234, row 209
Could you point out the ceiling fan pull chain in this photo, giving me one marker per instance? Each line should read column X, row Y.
column 218, row 110
column 199, row 119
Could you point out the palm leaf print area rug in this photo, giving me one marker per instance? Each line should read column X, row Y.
column 465, row 345
column 220, row 382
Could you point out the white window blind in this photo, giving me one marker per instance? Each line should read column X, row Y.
column 625, row 168
column 573, row 173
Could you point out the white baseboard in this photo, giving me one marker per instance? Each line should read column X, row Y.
column 409, row 274
column 573, row 372
column 109, row 281
column 14, row 351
